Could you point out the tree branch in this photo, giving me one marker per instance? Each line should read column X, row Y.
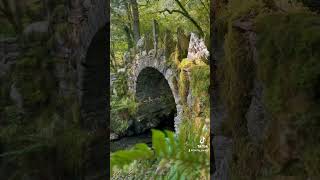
column 187, row 15
column 204, row 5
column 172, row 11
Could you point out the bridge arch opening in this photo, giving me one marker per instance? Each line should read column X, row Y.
column 94, row 82
column 157, row 107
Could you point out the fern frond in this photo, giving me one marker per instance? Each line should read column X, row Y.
column 173, row 159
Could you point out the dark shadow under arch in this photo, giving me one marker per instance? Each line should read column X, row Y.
column 157, row 107
column 94, row 101
column 94, row 82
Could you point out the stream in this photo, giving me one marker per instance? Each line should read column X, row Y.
column 127, row 142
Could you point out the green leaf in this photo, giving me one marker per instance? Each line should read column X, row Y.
column 159, row 143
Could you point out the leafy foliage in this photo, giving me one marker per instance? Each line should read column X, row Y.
column 173, row 159
column 122, row 110
column 121, row 18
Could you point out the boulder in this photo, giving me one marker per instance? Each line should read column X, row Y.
column 197, row 48
column 113, row 136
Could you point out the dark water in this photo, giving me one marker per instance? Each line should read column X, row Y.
column 129, row 141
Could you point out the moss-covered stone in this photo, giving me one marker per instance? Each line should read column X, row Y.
column 238, row 74
column 288, row 66
column 33, row 78
column 183, row 86
column 200, row 80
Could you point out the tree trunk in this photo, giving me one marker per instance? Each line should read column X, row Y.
column 135, row 16
column 113, row 58
column 129, row 38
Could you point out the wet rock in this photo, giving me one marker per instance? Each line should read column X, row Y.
column 114, row 136
column 152, row 52
column 140, row 44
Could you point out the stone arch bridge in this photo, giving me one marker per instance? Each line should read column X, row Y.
column 89, row 64
column 82, row 69
column 151, row 67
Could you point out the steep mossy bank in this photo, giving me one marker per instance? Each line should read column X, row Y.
column 276, row 46
column 289, row 67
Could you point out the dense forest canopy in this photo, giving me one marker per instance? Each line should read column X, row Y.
column 191, row 16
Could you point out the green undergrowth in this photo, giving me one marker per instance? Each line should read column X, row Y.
column 199, row 83
column 171, row 155
column 123, row 109
column 168, row 159
column 46, row 142
column 123, row 105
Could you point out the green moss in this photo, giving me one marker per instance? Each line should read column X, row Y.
column 7, row 29
column 123, row 109
column 238, row 9
column 62, row 28
column 72, row 146
column 183, row 81
column 311, row 158
column 200, row 80
column 172, row 61
column 33, row 78
column 248, row 160
column 289, row 53
column 289, row 67
column 237, row 79
column 185, row 64
column 183, row 86
column 199, row 83
column 59, row 12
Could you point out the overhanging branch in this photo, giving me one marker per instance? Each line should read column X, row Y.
column 185, row 13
